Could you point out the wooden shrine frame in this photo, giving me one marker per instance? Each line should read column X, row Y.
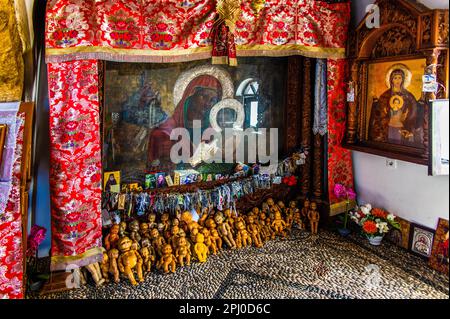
column 407, row 31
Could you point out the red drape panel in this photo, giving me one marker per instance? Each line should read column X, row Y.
column 340, row 168
column 75, row 171
column 11, row 250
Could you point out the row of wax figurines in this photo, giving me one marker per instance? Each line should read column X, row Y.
column 138, row 247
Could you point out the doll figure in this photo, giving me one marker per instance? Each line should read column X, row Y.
column 229, row 218
column 96, row 273
column 144, row 231
column 297, row 216
column 123, row 229
column 216, row 238
column 130, row 259
column 289, row 218
column 134, row 231
column 173, row 239
column 210, row 224
column 264, row 232
column 113, row 255
column 279, row 224
column 203, row 216
column 208, row 241
column 270, row 229
column 104, row 266
column 242, row 235
column 152, row 221
column 282, row 207
column 186, row 218
column 167, row 260
column 270, row 202
column 112, row 238
column 254, row 231
column 314, row 217
column 183, row 252
column 157, row 241
column 305, row 209
column 148, row 254
column 201, row 250
column 175, row 222
column 255, row 211
column 165, row 220
column 224, row 230
column 265, row 208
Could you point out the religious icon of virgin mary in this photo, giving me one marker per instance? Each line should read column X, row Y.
column 200, row 95
column 396, row 117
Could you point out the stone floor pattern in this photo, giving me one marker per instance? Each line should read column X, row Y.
column 326, row 266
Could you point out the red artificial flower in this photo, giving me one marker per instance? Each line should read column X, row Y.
column 370, row 227
column 380, row 213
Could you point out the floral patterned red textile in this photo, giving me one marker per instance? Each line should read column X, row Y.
column 174, row 31
column 340, row 170
column 11, row 254
column 75, row 171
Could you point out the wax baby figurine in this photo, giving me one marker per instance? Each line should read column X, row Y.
column 186, row 218
column 230, row 219
column 96, row 273
column 216, row 238
column 242, row 235
column 297, row 215
column 112, row 238
column 183, row 252
column 210, row 224
column 157, row 241
column 152, row 221
column 168, row 260
column 144, row 230
column 130, row 260
column 208, row 241
column 165, row 220
column 289, row 218
column 203, row 215
column 147, row 254
column 123, row 229
column 201, row 250
column 305, row 209
column 279, row 224
column 314, row 217
column 224, row 230
column 264, row 232
column 104, row 266
column 113, row 255
column 254, row 231
column 174, row 236
column 134, row 231
column 270, row 229
column 282, row 207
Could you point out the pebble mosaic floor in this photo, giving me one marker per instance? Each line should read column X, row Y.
column 326, row 266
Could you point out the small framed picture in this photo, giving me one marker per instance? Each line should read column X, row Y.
column 160, row 180
column 150, row 181
column 111, row 180
column 400, row 237
column 421, row 240
column 169, row 180
column 439, row 253
column 133, row 187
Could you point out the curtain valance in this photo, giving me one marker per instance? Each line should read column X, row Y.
column 175, row 31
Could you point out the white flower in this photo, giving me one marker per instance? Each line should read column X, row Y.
column 366, row 209
column 382, row 227
column 390, row 217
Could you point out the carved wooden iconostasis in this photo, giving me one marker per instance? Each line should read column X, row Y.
column 388, row 113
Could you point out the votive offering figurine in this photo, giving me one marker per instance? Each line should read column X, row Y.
column 242, row 234
column 147, row 254
column 224, row 230
column 314, row 217
column 134, row 231
column 112, row 238
column 278, row 224
column 113, row 255
column 168, row 260
column 254, row 230
column 201, row 250
column 130, row 260
column 183, row 252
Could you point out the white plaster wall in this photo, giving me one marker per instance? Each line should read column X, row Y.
column 407, row 190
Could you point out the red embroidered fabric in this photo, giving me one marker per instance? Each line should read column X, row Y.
column 340, row 169
column 11, row 254
column 75, row 170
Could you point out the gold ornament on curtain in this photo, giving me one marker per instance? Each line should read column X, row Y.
column 258, row 5
column 229, row 12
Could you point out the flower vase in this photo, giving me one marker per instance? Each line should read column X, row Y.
column 375, row 240
column 344, row 232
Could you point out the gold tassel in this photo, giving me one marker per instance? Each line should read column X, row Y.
column 229, row 12
column 258, row 5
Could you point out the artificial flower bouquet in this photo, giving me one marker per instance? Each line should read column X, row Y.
column 374, row 222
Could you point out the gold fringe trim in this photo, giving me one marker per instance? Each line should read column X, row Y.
column 338, row 208
column 219, row 60
column 232, row 62
column 183, row 55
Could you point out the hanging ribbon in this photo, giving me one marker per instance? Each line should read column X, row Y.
column 321, row 99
